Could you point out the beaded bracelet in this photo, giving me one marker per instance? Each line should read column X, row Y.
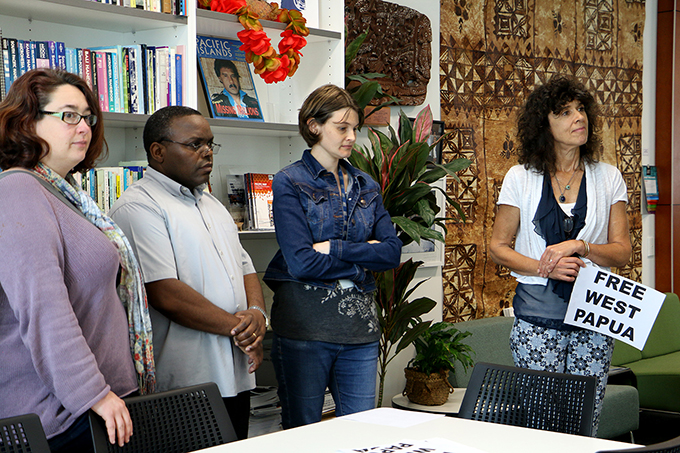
column 587, row 246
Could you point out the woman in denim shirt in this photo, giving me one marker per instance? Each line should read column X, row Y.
column 332, row 230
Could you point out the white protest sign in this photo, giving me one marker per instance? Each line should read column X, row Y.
column 613, row 305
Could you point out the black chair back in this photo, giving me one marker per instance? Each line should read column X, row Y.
column 176, row 421
column 23, row 434
column 534, row 399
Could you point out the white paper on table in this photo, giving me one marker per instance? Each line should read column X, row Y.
column 387, row 416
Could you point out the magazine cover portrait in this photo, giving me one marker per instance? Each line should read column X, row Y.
column 227, row 79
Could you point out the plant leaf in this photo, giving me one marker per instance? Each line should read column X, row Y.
column 439, row 171
column 423, row 125
column 353, row 48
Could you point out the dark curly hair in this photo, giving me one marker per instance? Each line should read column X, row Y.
column 20, row 146
column 536, row 142
column 320, row 106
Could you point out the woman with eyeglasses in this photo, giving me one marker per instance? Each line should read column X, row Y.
column 564, row 210
column 67, row 273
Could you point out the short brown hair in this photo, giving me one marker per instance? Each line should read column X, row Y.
column 20, row 146
column 320, row 105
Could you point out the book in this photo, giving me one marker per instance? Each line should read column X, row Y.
column 42, row 56
column 112, row 81
column 180, row 74
column 21, row 51
column 236, row 198
column 86, row 70
column 103, row 87
column 162, row 78
column 4, row 64
column 226, row 76
column 30, row 47
column 260, row 197
column 52, row 53
column 61, row 55
column 13, row 54
column 136, row 75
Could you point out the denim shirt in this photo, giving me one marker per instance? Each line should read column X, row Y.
column 308, row 208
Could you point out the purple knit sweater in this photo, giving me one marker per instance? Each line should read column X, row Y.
column 63, row 331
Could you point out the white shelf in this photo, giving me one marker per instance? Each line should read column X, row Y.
column 218, row 126
column 82, row 13
column 212, row 23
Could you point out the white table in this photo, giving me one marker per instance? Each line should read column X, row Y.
column 450, row 407
column 343, row 433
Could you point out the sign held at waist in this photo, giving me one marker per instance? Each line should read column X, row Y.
column 613, row 305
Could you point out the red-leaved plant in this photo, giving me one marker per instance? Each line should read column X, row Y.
column 399, row 163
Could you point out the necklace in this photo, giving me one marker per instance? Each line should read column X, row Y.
column 567, row 187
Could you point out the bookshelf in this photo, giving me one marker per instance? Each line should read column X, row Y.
column 246, row 146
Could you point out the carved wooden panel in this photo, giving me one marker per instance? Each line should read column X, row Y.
column 398, row 45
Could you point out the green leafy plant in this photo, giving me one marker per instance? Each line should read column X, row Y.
column 363, row 87
column 399, row 163
column 439, row 347
column 400, row 319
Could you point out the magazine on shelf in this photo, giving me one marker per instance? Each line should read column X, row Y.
column 259, row 197
column 226, row 76
column 236, row 198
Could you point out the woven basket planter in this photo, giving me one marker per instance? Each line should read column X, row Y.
column 428, row 390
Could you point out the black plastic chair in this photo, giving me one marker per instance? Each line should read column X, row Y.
column 669, row 446
column 23, row 434
column 176, row 421
column 534, row 399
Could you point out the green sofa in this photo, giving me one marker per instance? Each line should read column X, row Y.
column 657, row 366
column 490, row 341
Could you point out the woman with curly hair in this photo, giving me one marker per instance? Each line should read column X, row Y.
column 564, row 210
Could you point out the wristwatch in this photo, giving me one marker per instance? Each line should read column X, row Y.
column 264, row 313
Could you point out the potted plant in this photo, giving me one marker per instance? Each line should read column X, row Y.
column 399, row 163
column 438, row 348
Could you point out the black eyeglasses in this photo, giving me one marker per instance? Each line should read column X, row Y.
column 196, row 147
column 73, row 118
column 568, row 225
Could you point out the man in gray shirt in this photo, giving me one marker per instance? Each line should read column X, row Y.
column 206, row 302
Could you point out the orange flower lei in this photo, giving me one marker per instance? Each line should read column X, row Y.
column 271, row 66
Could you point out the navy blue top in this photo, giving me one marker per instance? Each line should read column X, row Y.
column 546, row 306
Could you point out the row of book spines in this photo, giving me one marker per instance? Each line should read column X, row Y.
column 106, row 184
column 177, row 7
column 117, row 74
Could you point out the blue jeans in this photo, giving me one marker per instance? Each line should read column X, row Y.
column 305, row 368
column 76, row 438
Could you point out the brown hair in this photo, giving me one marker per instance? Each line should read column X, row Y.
column 20, row 146
column 320, row 106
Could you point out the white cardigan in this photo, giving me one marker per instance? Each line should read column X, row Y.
column 522, row 188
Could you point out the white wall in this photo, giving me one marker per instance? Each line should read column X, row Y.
column 648, row 131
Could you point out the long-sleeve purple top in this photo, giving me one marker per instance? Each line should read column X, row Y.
column 63, row 330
